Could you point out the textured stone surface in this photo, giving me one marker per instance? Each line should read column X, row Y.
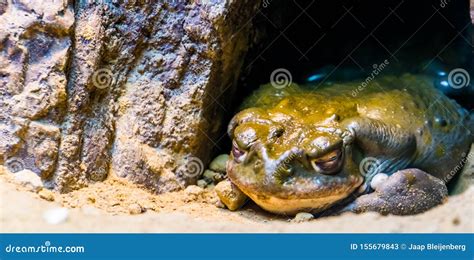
column 406, row 192
column 128, row 87
column 230, row 195
column 34, row 53
column 29, row 180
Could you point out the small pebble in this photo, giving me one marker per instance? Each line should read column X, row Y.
column 213, row 176
column 230, row 195
column 456, row 221
column 202, row 184
column 219, row 163
column 194, row 190
column 46, row 194
column 29, row 179
column 135, row 209
column 209, row 174
column 378, row 180
column 303, row 217
column 56, row 216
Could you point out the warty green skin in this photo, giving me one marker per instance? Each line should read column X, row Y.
column 401, row 122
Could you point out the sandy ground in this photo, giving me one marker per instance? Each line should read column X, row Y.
column 107, row 207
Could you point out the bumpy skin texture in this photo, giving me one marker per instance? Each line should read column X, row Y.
column 300, row 148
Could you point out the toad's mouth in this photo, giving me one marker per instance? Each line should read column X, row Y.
column 303, row 190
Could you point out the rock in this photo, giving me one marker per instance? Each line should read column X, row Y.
column 34, row 51
column 303, row 217
column 193, row 193
column 219, row 163
column 29, row 180
column 456, row 221
column 135, row 209
column 213, row 176
column 89, row 86
column 194, row 190
column 56, row 215
column 209, row 174
column 46, row 194
column 230, row 195
column 406, row 192
column 202, row 183
column 378, row 180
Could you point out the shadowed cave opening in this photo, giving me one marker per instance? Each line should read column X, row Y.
column 342, row 40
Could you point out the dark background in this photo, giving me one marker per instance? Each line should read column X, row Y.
column 348, row 37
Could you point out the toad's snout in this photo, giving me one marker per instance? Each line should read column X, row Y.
column 286, row 182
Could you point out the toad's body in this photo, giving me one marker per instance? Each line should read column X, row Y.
column 304, row 149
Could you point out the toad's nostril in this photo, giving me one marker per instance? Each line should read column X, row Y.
column 277, row 133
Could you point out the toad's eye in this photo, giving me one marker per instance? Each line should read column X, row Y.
column 238, row 153
column 330, row 163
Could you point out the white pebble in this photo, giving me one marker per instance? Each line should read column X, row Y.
column 303, row 216
column 29, row 180
column 56, row 215
column 378, row 180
